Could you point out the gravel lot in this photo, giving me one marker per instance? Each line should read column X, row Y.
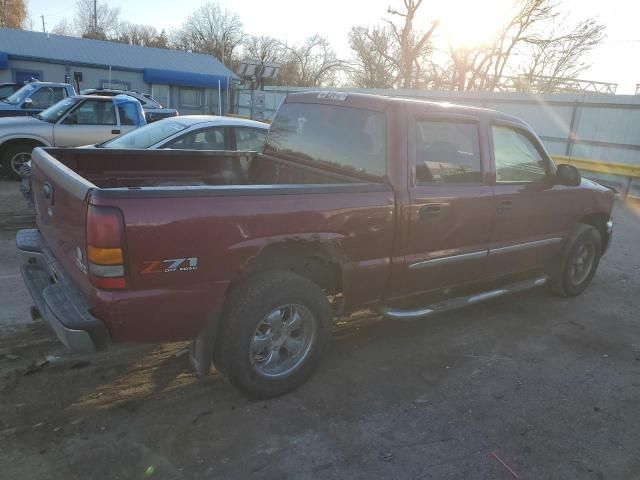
column 549, row 386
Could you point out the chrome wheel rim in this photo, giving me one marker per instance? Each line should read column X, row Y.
column 282, row 341
column 18, row 160
column 582, row 263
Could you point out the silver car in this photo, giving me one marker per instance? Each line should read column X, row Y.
column 195, row 132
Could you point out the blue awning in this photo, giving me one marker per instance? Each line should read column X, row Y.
column 4, row 60
column 184, row 79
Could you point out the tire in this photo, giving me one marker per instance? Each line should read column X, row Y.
column 14, row 157
column 274, row 329
column 579, row 262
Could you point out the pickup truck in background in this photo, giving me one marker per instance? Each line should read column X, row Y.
column 404, row 207
column 72, row 122
column 33, row 98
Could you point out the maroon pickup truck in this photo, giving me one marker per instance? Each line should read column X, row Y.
column 404, row 207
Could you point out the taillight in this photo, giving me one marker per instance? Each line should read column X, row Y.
column 105, row 243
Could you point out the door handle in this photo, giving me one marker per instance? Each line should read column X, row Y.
column 115, row 132
column 430, row 211
column 504, row 206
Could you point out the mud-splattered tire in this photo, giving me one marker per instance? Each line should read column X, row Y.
column 579, row 262
column 274, row 329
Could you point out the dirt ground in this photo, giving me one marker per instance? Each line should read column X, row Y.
column 547, row 388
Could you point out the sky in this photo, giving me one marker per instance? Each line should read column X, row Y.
column 615, row 60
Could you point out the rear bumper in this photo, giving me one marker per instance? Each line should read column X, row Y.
column 61, row 305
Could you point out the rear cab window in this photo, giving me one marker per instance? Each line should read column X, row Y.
column 349, row 138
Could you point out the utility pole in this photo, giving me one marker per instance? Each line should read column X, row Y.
column 95, row 17
column 43, row 29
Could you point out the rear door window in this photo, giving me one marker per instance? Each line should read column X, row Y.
column 350, row 138
column 203, row 139
column 447, row 152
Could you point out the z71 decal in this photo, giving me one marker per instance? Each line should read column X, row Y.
column 171, row 265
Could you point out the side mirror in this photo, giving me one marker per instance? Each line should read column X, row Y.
column 568, row 175
column 28, row 103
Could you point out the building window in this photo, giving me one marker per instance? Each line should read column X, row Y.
column 190, row 97
column 161, row 94
column 25, row 76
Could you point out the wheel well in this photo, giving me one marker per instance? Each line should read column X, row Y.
column 19, row 141
column 309, row 259
column 599, row 222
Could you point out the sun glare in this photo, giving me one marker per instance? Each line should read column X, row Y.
column 473, row 23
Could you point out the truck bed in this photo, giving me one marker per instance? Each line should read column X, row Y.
column 135, row 169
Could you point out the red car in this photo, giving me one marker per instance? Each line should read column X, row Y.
column 400, row 206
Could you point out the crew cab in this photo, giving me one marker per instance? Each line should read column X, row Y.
column 74, row 121
column 404, row 207
column 33, row 98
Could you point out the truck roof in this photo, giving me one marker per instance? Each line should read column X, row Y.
column 381, row 102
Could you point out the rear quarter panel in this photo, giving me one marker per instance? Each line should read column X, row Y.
column 223, row 233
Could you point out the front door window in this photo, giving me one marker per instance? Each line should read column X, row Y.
column 517, row 159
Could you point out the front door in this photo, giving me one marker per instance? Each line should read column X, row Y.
column 531, row 219
column 450, row 205
column 93, row 121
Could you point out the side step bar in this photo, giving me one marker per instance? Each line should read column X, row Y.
column 459, row 302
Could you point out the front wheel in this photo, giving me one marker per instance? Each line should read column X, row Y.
column 581, row 257
column 274, row 329
column 15, row 157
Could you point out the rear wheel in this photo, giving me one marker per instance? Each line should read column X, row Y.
column 15, row 156
column 274, row 330
column 579, row 263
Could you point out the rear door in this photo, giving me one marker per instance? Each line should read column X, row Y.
column 530, row 215
column 92, row 121
column 450, row 204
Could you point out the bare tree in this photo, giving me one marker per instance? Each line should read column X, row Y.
column 63, row 27
column 559, row 55
column 412, row 44
column 142, row 35
column 103, row 27
column 13, row 13
column 213, row 30
column 372, row 49
column 312, row 63
column 536, row 41
column 264, row 48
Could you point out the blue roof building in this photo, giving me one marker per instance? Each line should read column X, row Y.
column 189, row 82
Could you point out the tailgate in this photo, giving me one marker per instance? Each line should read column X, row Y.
column 60, row 197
